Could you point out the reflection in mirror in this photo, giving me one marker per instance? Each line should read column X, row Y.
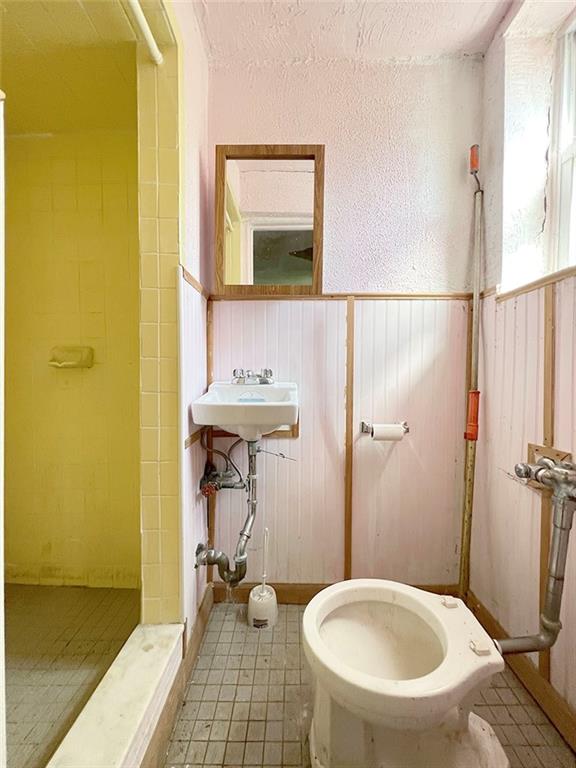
column 269, row 220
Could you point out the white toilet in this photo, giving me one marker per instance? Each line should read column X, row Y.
column 395, row 671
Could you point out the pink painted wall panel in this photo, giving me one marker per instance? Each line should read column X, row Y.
column 301, row 502
column 406, row 225
column 192, row 328
column 506, row 524
column 410, row 361
column 564, row 652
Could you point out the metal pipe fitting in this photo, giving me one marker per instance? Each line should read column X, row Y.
column 561, row 477
column 205, row 556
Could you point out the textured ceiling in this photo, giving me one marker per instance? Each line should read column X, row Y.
column 64, row 68
column 70, row 64
column 29, row 24
column 245, row 33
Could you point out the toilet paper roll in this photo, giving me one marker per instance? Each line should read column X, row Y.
column 394, row 432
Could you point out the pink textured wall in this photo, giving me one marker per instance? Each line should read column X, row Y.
column 398, row 196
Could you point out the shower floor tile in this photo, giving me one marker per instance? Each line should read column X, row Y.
column 248, row 702
column 59, row 643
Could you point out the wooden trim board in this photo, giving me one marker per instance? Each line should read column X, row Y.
column 301, row 594
column 293, row 432
column 288, row 594
column 548, row 440
column 193, row 640
column 197, row 285
column 555, row 277
column 555, row 707
column 193, row 438
column 458, row 296
column 549, row 362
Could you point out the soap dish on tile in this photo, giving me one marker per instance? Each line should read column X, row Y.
column 71, row 357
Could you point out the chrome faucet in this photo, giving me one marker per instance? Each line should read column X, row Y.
column 240, row 376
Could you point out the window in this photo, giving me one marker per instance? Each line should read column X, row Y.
column 563, row 245
column 282, row 255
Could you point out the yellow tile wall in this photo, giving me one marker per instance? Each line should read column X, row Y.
column 72, row 437
column 159, row 257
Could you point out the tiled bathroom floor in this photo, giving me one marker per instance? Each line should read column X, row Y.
column 248, row 702
column 59, row 643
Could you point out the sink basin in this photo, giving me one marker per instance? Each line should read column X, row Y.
column 247, row 410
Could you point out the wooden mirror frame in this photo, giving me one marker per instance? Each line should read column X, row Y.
column 269, row 152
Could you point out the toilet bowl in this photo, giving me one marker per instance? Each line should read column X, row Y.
column 396, row 670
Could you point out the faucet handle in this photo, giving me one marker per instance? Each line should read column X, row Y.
column 267, row 373
column 237, row 373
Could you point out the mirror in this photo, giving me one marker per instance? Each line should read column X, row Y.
column 269, row 219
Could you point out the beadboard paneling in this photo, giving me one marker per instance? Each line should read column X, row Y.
column 192, row 330
column 563, row 671
column 410, row 360
column 506, row 521
column 301, row 502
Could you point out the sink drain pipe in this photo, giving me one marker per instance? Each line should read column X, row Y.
column 205, row 556
column 562, row 478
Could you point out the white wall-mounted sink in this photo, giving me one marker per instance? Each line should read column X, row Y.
column 247, row 410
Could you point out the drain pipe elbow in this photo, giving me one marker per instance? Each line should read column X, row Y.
column 549, row 631
column 221, row 561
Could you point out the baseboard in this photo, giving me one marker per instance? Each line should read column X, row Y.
column 301, row 594
column 56, row 576
column 556, row 707
column 439, row 589
column 191, row 641
column 288, row 594
column 193, row 638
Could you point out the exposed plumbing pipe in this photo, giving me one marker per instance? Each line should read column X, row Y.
column 562, row 478
column 217, row 557
column 471, row 434
column 144, row 27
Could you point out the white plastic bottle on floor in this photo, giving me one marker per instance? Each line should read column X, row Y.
column 262, row 603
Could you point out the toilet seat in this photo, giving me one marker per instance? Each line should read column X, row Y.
column 458, row 654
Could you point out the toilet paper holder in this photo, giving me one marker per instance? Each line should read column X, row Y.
column 366, row 428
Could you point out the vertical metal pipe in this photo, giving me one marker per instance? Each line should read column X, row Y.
column 550, row 624
column 252, row 502
column 212, row 556
column 470, row 462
